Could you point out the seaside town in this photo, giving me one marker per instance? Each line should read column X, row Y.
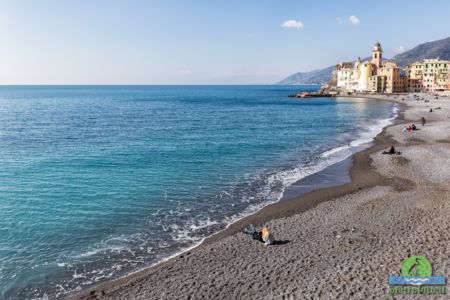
column 383, row 76
column 378, row 76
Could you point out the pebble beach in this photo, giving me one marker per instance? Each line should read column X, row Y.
column 336, row 243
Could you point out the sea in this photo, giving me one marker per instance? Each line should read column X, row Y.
column 100, row 181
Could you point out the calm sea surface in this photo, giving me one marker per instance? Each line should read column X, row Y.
column 99, row 181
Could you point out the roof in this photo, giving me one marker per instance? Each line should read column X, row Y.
column 377, row 46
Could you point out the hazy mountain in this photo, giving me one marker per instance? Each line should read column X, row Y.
column 440, row 48
column 313, row 77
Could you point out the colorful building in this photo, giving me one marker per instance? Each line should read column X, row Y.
column 371, row 76
column 389, row 79
column 429, row 75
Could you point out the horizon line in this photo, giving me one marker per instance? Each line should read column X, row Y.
column 150, row 84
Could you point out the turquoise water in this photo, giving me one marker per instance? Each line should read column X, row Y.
column 100, row 181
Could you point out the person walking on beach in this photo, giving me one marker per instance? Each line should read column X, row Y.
column 423, row 121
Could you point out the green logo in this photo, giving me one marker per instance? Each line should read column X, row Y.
column 418, row 266
column 417, row 278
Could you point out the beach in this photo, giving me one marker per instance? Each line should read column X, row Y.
column 141, row 178
column 340, row 242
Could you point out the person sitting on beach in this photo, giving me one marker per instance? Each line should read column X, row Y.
column 263, row 235
column 431, row 110
column 413, row 127
column 391, row 151
column 250, row 230
column 267, row 236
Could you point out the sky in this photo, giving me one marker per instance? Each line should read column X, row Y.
column 201, row 41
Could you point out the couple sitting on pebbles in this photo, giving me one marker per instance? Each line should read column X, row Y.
column 263, row 235
column 411, row 127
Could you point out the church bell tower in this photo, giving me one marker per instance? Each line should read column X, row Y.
column 377, row 55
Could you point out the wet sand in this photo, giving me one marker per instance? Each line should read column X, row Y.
column 394, row 206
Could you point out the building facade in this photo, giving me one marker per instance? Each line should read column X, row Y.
column 429, row 75
column 389, row 79
column 344, row 73
column 373, row 76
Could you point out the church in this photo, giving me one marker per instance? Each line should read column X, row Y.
column 374, row 76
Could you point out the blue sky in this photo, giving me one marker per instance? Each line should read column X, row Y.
column 201, row 41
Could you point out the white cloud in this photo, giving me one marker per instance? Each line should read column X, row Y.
column 399, row 50
column 293, row 24
column 354, row 20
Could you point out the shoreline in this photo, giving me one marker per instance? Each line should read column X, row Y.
column 285, row 207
